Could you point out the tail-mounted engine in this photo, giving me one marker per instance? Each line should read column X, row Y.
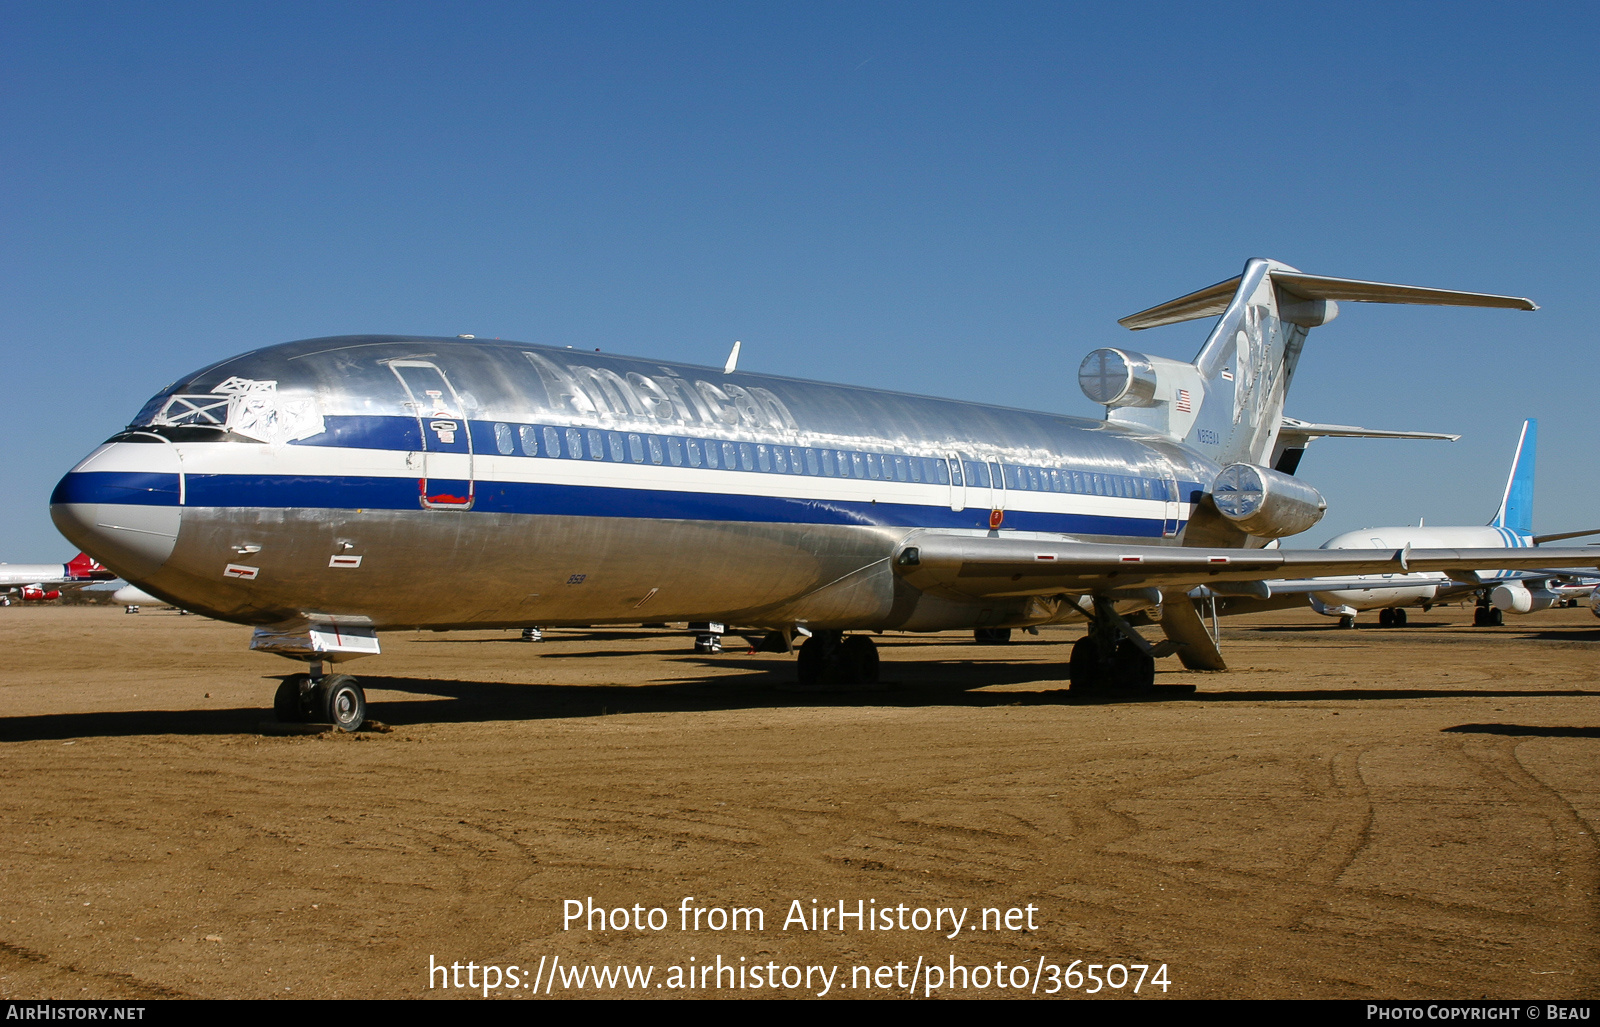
column 1265, row 503
column 1137, row 389
column 1123, row 378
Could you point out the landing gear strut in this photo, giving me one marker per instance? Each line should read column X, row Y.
column 708, row 636
column 1108, row 660
column 829, row 658
column 318, row 698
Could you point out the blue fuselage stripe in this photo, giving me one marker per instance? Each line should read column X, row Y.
column 351, row 492
column 402, row 434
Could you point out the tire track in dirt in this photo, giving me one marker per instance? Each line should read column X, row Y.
column 43, row 969
column 1352, row 829
column 1579, row 886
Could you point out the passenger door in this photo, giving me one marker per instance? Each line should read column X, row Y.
column 958, row 488
column 444, row 463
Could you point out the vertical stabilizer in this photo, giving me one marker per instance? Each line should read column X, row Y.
column 1228, row 402
column 1248, row 361
column 1516, row 506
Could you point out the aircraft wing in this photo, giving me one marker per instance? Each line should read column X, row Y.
column 1305, row 586
column 988, row 566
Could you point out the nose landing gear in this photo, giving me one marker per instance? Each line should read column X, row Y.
column 708, row 636
column 318, row 698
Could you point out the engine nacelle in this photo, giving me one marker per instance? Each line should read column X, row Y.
column 1118, row 378
column 1515, row 597
column 1266, row 503
column 1123, row 378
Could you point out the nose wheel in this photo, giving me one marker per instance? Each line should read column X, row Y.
column 330, row 699
column 708, row 636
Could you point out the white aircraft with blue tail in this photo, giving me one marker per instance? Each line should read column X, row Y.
column 1498, row 591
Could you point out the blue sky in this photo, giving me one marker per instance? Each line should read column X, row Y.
column 955, row 199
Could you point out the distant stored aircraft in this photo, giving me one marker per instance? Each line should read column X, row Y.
column 1498, row 591
column 326, row 490
column 132, row 597
column 32, row 581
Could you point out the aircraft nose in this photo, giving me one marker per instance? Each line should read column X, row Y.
column 123, row 506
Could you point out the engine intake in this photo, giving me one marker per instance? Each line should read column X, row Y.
column 1118, row 378
column 1265, row 503
column 1515, row 597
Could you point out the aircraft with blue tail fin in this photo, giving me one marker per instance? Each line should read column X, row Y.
column 1498, row 592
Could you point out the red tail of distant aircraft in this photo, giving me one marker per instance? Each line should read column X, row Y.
column 29, row 580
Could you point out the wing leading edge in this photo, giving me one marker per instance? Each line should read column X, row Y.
column 986, row 566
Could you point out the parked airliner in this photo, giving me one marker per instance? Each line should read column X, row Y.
column 32, row 581
column 326, row 490
column 1498, row 592
column 132, row 598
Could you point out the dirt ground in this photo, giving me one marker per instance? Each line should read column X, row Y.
column 1395, row 813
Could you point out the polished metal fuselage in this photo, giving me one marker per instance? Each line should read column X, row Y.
column 443, row 483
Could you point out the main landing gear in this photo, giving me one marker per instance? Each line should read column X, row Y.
column 318, row 698
column 1487, row 616
column 1121, row 667
column 829, row 658
column 1391, row 617
column 1109, row 658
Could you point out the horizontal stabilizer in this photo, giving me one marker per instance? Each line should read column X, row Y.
column 1309, row 430
column 1213, row 300
column 1316, row 287
column 1540, row 540
column 1205, row 303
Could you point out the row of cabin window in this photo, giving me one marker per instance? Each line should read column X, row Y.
column 631, row 447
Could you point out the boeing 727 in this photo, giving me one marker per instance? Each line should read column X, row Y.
column 327, row 490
